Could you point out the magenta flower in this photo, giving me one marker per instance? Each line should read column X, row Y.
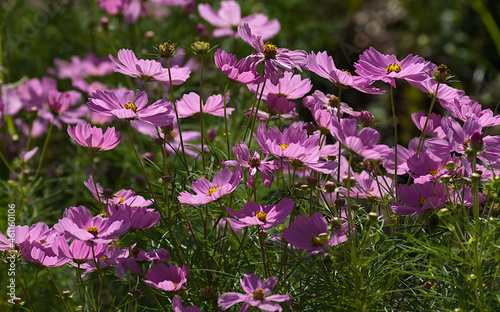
column 139, row 218
column 93, row 139
column 323, row 65
column 257, row 295
column 78, row 252
column 328, row 102
column 128, row 105
column 377, row 66
column 229, row 17
column 147, row 70
column 90, row 65
column 38, row 232
column 126, row 197
column 289, row 86
column 167, row 278
column 241, row 71
column 417, row 198
column 110, row 258
column 135, row 264
column 312, row 233
column 77, row 222
column 178, row 307
column 254, row 164
column 271, row 56
column 263, row 216
column 433, row 128
column 189, row 105
column 42, row 257
column 224, row 183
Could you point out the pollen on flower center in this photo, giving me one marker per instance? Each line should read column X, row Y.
column 171, row 135
column 283, row 146
column 347, row 72
column 433, row 172
column 269, row 51
column 175, row 283
column 319, row 240
column 120, row 199
column 421, row 201
column 104, row 257
column 393, row 68
column 93, row 230
column 262, row 216
column 212, row 189
column 259, row 294
column 254, row 161
column 131, row 106
column 466, row 143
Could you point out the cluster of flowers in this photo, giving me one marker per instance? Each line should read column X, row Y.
column 446, row 152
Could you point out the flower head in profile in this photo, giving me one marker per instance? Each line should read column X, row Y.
column 377, row 66
column 93, row 139
column 323, row 65
column 127, row 105
column 167, row 278
column 189, row 105
column 148, row 70
column 257, row 295
column 224, row 182
column 264, row 216
column 242, row 71
column 229, row 17
column 178, row 307
column 271, row 56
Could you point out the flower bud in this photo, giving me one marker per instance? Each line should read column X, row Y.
column 372, row 216
column 159, row 141
column 66, row 294
column 445, row 178
column 108, row 193
column 17, row 301
column 148, row 35
column 200, row 47
column 329, row 186
column 339, row 202
column 443, row 212
column 304, row 187
column 166, row 50
column 104, row 22
column 148, row 156
column 476, row 142
column 366, row 119
column 450, row 165
column 335, row 222
column 475, row 177
column 354, row 207
column 212, row 134
column 136, row 293
column 312, row 181
column 166, row 179
column 202, row 30
column 441, row 73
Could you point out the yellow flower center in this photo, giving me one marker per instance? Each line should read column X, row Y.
column 393, row 68
column 347, row 72
column 131, row 106
column 171, row 135
column 104, row 257
column 269, row 51
column 93, row 230
column 319, row 240
column 259, row 294
column 433, row 172
column 262, row 216
column 283, row 146
column 466, row 143
column 120, row 199
column 421, row 201
column 212, row 189
column 333, row 101
column 175, row 283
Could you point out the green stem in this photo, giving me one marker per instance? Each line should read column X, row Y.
column 422, row 136
column 57, row 288
column 395, row 145
column 226, row 133
column 256, row 112
column 38, row 290
column 201, row 117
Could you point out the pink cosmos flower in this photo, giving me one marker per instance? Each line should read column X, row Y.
column 224, row 183
column 377, row 66
column 241, row 71
column 433, row 128
column 93, row 139
column 263, row 216
column 42, row 257
column 323, row 65
column 18, row 234
column 254, row 164
column 128, row 105
column 147, row 70
column 167, row 278
column 289, row 86
column 295, row 146
column 417, row 198
column 328, row 102
column 312, row 233
column 110, row 258
column 139, row 218
column 78, row 252
column 126, row 197
column 77, row 222
column 446, row 95
column 90, row 65
column 229, row 17
column 189, row 105
column 257, row 295
column 271, row 56
column 464, row 109
column 178, row 307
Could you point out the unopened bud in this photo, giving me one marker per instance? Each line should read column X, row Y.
column 148, row 156
column 330, row 186
column 450, row 165
column 136, row 293
column 354, row 207
column 108, row 193
column 309, row 127
column 202, row 30
column 335, row 222
column 443, row 212
column 200, row 47
column 476, row 142
column 17, row 301
column 66, row 294
column 312, row 181
column 104, row 22
column 445, row 178
column 475, row 177
column 166, row 179
column 148, row 35
column 372, row 216
column 366, row 119
column 339, row 202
